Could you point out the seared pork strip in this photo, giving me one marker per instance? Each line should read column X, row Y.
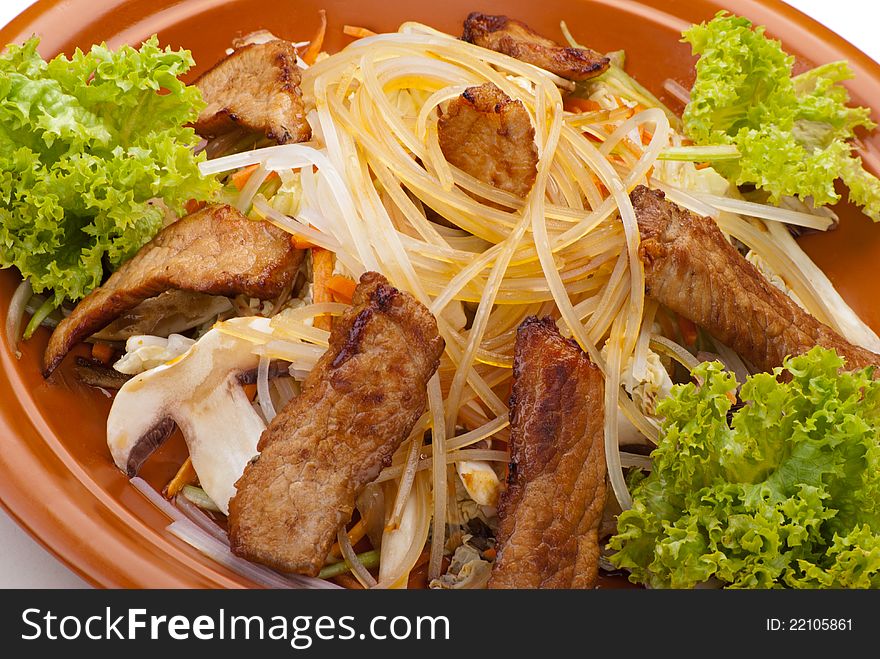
column 256, row 88
column 549, row 514
column 518, row 40
column 216, row 250
column 488, row 135
column 356, row 407
column 691, row 268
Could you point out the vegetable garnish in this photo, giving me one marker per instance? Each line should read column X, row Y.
column 793, row 133
column 93, row 150
column 785, row 495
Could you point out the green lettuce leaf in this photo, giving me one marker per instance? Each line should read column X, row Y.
column 793, row 133
column 87, row 146
column 785, row 495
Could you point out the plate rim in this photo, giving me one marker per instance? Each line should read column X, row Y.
column 62, row 531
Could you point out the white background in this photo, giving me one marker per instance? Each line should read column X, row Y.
column 25, row 564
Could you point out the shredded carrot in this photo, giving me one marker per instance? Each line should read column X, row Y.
column 731, row 397
column 300, row 242
column 573, row 104
column 688, row 331
column 665, row 321
column 250, row 390
column 194, row 205
column 317, row 41
column 341, row 288
column 347, row 581
column 418, row 576
column 186, row 475
column 490, row 554
column 701, row 165
column 355, row 31
column 322, row 271
column 102, row 352
column 355, row 534
column 239, row 178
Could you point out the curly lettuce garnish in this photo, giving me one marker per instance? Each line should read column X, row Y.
column 793, row 133
column 87, row 145
column 786, row 495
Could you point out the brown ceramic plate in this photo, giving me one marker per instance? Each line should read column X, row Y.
column 56, row 476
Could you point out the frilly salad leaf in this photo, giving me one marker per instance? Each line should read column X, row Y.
column 786, row 495
column 87, row 144
column 793, row 133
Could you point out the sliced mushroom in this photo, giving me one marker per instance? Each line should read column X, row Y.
column 201, row 393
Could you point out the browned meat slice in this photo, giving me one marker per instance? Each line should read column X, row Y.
column 549, row 514
column 691, row 268
column 255, row 88
column 215, row 250
column 518, row 40
column 488, row 135
column 357, row 405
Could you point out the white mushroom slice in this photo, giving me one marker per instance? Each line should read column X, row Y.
column 480, row 481
column 201, row 393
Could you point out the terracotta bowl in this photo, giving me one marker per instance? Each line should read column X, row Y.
column 56, row 476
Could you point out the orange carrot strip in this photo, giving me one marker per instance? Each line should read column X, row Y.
column 581, row 105
column 341, row 288
column 317, row 41
column 355, row 31
column 355, row 535
column 250, row 390
column 102, row 352
column 194, row 205
column 322, row 271
column 186, row 475
column 347, row 581
column 688, row 331
column 240, row 178
column 299, row 242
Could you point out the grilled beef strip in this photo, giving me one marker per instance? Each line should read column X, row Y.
column 516, row 39
column 357, row 405
column 550, row 512
column 256, row 88
column 488, row 135
column 216, row 250
column 693, row 269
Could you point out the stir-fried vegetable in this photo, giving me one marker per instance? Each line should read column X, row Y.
column 786, row 494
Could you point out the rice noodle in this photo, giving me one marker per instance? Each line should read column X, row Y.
column 409, row 472
column 671, row 349
column 263, row 396
column 357, row 568
column 219, row 551
column 198, row 517
column 373, row 181
column 438, row 483
column 156, row 499
column 15, row 315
